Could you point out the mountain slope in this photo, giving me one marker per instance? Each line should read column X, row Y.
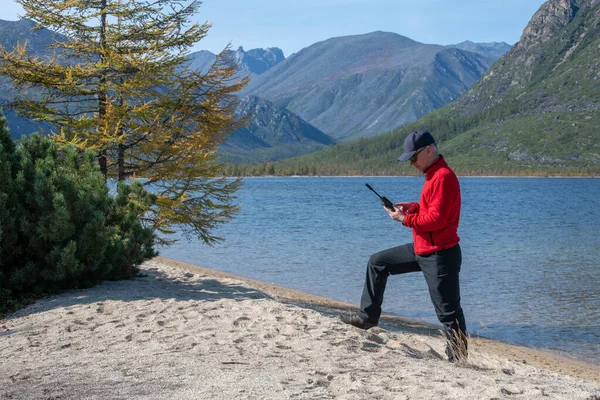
column 277, row 128
column 536, row 111
column 551, row 64
column 363, row 85
column 38, row 43
column 270, row 133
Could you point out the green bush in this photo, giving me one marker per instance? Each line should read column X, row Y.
column 60, row 227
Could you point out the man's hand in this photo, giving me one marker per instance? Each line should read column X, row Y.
column 406, row 208
column 397, row 215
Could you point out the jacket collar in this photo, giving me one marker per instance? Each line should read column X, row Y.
column 437, row 164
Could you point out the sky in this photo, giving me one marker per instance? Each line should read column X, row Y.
column 293, row 25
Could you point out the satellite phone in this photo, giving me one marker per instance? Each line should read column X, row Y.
column 384, row 200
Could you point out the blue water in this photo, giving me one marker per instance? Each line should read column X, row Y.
column 531, row 251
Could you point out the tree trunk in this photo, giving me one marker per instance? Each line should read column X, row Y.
column 102, row 96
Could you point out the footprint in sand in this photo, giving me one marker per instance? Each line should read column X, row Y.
column 370, row 346
column 511, row 392
column 241, row 322
column 376, row 338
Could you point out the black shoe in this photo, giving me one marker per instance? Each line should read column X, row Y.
column 357, row 321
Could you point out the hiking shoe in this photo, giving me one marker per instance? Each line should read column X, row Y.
column 357, row 321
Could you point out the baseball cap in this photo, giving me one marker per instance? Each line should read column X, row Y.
column 415, row 141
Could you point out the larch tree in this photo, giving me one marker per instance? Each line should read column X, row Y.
column 118, row 83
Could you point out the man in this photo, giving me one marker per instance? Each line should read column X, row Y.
column 435, row 250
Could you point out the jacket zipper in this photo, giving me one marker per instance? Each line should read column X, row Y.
column 431, row 237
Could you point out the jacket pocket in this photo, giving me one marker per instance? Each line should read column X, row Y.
column 431, row 237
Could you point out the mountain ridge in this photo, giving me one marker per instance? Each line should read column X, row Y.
column 286, row 126
column 374, row 68
column 535, row 112
column 389, row 80
column 251, row 62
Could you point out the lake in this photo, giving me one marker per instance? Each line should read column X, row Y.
column 531, row 251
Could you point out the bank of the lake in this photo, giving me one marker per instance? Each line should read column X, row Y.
column 530, row 251
column 187, row 332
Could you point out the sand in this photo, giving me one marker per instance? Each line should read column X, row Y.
column 184, row 332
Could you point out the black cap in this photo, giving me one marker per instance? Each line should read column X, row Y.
column 414, row 142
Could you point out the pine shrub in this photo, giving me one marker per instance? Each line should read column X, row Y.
column 60, row 227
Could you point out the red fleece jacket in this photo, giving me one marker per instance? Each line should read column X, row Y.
column 434, row 221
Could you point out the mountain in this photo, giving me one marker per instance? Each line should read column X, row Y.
column 253, row 62
column 288, row 129
column 38, row 44
column 270, row 133
column 551, row 64
column 38, row 41
column 493, row 51
column 201, row 60
column 257, row 61
column 363, row 85
column 345, row 87
column 535, row 112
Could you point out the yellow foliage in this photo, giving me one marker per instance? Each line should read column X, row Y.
column 117, row 85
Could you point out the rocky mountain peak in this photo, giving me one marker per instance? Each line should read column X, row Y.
column 258, row 61
column 559, row 32
column 550, row 19
column 255, row 61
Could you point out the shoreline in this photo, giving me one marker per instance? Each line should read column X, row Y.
column 539, row 357
column 182, row 331
column 419, row 176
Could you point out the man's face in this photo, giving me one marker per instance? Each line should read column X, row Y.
column 420, row 160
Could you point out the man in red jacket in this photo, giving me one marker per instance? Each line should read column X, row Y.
column 435, row 250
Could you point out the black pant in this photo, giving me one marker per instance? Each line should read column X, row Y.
column 440, row 269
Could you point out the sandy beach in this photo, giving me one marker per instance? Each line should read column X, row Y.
column 185, row 332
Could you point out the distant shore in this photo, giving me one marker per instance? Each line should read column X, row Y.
column 419, row 176
column 187, row 332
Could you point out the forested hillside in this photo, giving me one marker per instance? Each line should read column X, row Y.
column 536, row 111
